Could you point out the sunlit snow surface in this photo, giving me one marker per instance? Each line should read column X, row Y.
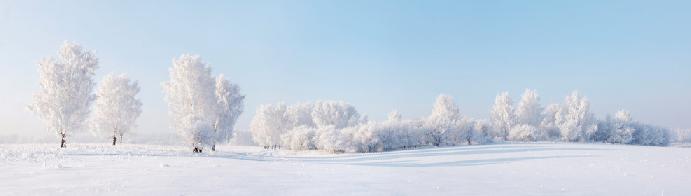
column 503, row 169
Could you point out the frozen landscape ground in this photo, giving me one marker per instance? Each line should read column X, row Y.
column 500, row 169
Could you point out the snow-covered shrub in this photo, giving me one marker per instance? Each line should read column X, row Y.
column 331, row 139
column 619, row 129
column 461, row 132
column 116, row 107
column 649, row 135
column 681, row 135
column 334, row 113
column 548, row 124
column 269, row 123
column 300, row 138
column 66, row 89
column 400, row 134
column 526, row 132
column 622, row 129
column 482, row 133
column 362, row 138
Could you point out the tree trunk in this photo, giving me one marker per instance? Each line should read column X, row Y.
column 62, row 141
column 114, row 140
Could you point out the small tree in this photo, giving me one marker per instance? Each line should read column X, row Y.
column 66, row 89
column 269, row 123
column 502, row 115
column 116, row 107
column 444, row 119
column 191, row 100
column 230, row 105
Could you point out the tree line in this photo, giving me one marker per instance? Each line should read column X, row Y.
column 204, row 109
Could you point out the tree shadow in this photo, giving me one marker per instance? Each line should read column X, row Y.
column 390, row 159
column 433, row 152
column 464, row 163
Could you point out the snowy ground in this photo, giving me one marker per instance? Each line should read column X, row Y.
column 507, row 169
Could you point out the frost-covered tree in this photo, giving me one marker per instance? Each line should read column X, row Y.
column 529, row 110
column 269, row 123
column 300, row 138
column 230, row 104
column 116, row 108
column 481, row 132
column 548, row 124
column 618, row 130
column 301, row 114
column 66, row 89
column 574, row 119
column 526, row 132
column 622, row 129
column 443, row 120
column 335, row 113
column 502, row 115
column 191, row 100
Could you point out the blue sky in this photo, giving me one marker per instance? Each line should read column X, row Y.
column 377, row 55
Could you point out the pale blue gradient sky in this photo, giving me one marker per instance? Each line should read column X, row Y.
column 377, row 55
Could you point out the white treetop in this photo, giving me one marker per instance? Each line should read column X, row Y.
column 335, row 113
column 230, row 104
column 116, row 107
column 502, row 114
column 66, row 89
column 529, row 109
column 574, row 119
column 191, row 100
column 444, row 119
column 623, row 116
column 394, row 116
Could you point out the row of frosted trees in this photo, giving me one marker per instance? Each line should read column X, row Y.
column 571, row 121
column 65, row 98
column 338, row 127
column 203, row 108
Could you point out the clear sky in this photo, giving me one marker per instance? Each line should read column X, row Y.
column 377, row 55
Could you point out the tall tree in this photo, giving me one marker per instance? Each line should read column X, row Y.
column 502, row 115
column 574, row 119
column 66, row 89
column 191, row 100
column 230, row 105
column 528, row 111
column 116, row 107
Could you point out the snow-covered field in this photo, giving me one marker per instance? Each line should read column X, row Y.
column 502, row 169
